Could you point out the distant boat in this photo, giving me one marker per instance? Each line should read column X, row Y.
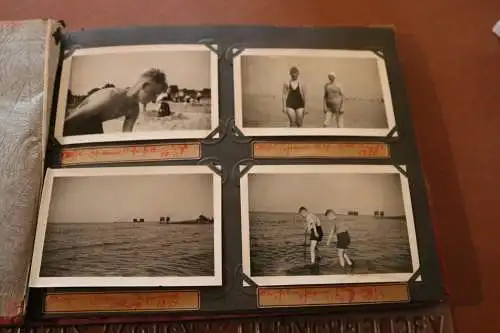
column 138, row 220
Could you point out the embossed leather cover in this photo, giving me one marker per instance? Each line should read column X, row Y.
column 28, row 65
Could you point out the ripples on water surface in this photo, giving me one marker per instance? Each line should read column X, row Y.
column 127, row 249
column 377, row 246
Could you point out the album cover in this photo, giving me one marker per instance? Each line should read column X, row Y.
column 28, row 64
column 222, row 171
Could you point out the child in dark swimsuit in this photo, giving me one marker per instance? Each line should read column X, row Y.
column 343, row 239
column 294, row 99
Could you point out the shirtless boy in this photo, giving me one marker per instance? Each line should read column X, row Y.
column 111, row 103
column 333, row 101
column 339, row 229
column 313, row 225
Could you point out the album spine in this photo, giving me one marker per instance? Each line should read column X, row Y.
column 14, row 292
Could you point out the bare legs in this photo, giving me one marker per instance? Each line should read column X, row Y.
column 296, row 117
column 343, row 258
column 339, row 119
column 314, row 244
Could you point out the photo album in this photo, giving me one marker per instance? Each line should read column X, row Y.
column 221, row 170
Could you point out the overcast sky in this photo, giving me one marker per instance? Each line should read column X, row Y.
column 318, row 192
column 187, row 69
column 122, row 198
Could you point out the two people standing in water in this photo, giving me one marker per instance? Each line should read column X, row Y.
column 294, row 100
column 339, row 230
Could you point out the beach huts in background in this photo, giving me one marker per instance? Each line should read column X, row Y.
column 174, row 94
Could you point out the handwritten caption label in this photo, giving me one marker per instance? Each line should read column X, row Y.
column 135, row 153
column 314, row 296
column 121, row 302
column 320, row 150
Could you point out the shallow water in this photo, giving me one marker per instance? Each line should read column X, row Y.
column 277, row 246
column 127, row 249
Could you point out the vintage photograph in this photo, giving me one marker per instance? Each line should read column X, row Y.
column 143, row 92
column 327, row 224
column 129, row 226
column 283, row 92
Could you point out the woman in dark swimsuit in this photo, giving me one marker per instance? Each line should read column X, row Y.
column 294, row 99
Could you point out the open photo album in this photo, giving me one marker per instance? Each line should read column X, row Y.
column 220, row 170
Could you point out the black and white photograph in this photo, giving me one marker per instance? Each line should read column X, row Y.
column 287, row 92
column 144, row 92
column 327, row 224
column 129, row 227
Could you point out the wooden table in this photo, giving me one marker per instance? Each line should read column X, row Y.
column 452, row 64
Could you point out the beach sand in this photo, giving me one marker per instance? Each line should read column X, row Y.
column 184, row 117
column 266, row 111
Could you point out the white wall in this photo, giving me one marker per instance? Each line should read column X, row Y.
column 318, row 192
column 108, row 199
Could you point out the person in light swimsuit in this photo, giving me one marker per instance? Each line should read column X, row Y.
column 294, row 99
column 112, row 103
column 333, row 101
column 313, row 226
column 340, row 230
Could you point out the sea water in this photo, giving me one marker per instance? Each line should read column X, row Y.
column 127, row 249
column 378, row 245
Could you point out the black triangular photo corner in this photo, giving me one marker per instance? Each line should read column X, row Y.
column 233, row 51
column 57, row 35
column 414, row 276
column 410, row 283
column 238, row 135
column 392, row 132
column 69, row 51
column 214, row 164
column 210, row 139
column 379, row 53
column 238, row 272
column 237, row 173
column 401, row 170
column 209, row 43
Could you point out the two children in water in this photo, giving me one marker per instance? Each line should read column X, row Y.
column 339, row 229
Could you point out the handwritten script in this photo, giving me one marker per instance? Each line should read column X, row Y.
column 135, row 153
column 102, row 302
column 277, row 297
column 320, row 150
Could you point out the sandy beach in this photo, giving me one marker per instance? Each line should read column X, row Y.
column 184, row 117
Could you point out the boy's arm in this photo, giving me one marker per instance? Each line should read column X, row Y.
column 325, row 95
column 91, row 106
column 130, row 119
column 330, row 237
